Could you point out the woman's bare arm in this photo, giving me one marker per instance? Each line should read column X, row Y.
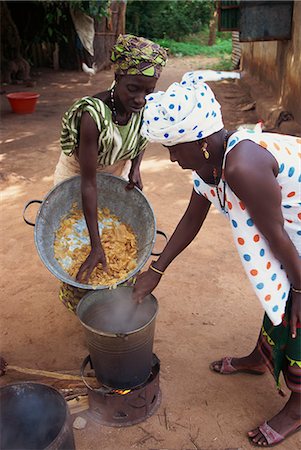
column 185, row 232
column 88, row 154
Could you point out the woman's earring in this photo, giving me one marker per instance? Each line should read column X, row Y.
column 205, row 151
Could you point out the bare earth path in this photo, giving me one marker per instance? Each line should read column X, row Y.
column 207, row 307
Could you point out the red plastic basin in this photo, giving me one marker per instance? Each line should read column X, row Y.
column 23, row 102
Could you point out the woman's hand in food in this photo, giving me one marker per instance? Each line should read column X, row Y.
column 145, row 284
column 295, row 319
column 96, row 256
column 134, row 179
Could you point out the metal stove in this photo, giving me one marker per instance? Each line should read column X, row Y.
column 122, row 408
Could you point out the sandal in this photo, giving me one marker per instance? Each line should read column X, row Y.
column 227, row 369
column 271, row 436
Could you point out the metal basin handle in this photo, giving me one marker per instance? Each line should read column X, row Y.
column 166, row 237
column 25, row 208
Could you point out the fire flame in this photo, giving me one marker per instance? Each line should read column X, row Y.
column 122, row 392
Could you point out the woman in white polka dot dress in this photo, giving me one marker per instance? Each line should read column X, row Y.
column 254, row 180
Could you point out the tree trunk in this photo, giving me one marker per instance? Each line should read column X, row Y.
column 14, row 68
column 106, row 32
column 212, row 29
column 67, row 50
column 10, row 39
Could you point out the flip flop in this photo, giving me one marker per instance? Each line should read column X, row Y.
column 227, row 368
column 271, row 436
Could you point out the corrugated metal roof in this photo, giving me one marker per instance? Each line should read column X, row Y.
column 265, row 20
column 257, row 20
column 229, row 14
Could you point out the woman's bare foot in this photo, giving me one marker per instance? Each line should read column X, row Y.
column 286, row 422
column 253, row 363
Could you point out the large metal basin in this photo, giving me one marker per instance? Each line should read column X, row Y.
column 131, row 206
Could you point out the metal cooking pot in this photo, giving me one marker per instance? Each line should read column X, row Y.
column 131, row 206
column 34, row 416
column 120, row 335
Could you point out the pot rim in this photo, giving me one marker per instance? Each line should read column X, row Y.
column 59, row 396
column 23, row 95
column 108, row 333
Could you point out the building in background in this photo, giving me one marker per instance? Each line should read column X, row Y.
column 270, row 50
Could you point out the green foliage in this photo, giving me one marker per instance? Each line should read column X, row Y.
column 167, row 18
column 194, row 45
column 94, row 8
column 56, row 13
column 55, row 19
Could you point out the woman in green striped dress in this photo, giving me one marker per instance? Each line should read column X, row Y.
column 102, row 134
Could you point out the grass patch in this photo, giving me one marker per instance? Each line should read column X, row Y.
column 202, row 37
column 225, row 63
column 191, row 49
column 196, row 45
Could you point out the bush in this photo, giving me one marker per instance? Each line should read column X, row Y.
column 167, row 19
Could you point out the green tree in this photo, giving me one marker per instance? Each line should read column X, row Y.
column 57, row 13
column 167, row 19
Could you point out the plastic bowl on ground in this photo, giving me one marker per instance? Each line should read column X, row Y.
column 23, row 102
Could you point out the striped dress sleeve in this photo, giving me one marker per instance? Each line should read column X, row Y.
column 69, row 139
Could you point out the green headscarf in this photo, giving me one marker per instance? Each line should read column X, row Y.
column 134, row 55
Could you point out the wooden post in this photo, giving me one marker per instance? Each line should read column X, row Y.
column 55, row 57
column 212, row 29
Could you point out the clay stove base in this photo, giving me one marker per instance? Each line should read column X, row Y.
column 116, row 410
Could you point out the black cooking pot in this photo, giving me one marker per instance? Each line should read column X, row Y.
column 34, row 416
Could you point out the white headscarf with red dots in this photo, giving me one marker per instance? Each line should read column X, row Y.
column 186, row 112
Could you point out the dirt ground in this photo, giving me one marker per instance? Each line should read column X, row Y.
column 207, row 307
